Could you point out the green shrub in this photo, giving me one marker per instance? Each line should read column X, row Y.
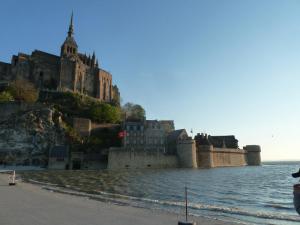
column 6, row 97
column 77, row 105
column 23, row 90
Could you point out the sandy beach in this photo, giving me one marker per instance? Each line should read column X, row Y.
column 28, row 204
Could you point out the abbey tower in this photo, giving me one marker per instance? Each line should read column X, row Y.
column 71, row 70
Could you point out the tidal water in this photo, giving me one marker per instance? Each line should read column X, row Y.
column 249, row 195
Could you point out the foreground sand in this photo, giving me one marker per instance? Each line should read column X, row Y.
column 27, row 204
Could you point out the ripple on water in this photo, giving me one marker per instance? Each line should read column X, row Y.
column 246, row 193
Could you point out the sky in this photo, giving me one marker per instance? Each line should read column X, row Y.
column 213, row 66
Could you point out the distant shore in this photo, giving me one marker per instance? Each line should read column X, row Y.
column 28, row 204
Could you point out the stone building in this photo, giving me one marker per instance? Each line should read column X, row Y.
column 173, row 138
column 71, row 70
column 147, row 134
column 58, row 157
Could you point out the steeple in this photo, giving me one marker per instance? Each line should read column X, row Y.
column 93, row 59
column 69, row 47
column 71, row 29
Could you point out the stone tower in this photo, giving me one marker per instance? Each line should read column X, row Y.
column 186, row 152
column 70, row 71
column 253, row 155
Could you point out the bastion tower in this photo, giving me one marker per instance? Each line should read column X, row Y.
column 71, row 70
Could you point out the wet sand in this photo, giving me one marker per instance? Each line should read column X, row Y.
column 28, row 204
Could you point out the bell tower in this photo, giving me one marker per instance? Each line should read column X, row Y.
column 69, row 47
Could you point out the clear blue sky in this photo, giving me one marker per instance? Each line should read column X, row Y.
column 221, row 67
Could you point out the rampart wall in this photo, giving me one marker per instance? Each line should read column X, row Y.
column 223, row 157
column 253, row 155
column 209, row 157
column 186, row 152
column 121, row 158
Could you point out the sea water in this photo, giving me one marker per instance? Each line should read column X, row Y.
column 249, row 195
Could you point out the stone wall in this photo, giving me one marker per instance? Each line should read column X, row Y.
column 4, row 71
column 55, row 164
column 204, row 156
column 104, row 85
column 223, row 157
column 209, row 157
column 122, row 158
column 253, row 155
column 186, row 152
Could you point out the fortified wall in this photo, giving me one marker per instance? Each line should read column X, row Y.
column 210, row 157
column 122, row 158
column 203, row 152
column 223, row 151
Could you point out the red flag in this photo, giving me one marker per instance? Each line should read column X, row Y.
column 122, row 134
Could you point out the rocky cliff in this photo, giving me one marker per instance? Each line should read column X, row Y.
column 27, row 136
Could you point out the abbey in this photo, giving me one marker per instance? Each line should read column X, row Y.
column 71, row 71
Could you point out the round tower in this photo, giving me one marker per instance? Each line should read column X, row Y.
column 186, row 152
column 253, row 155
column 205, row 156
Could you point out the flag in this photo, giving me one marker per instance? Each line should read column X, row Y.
column 122, row 134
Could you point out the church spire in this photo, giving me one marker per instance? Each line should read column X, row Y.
column 71, row 30
column 69, row 47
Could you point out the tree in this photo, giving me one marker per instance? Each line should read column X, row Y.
column 104, row 113
column 23, row 90
column 133, row 111
column 6, row 97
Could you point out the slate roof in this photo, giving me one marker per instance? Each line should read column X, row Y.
column 174, row 135
column 228, row 141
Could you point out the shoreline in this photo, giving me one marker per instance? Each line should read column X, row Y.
column 79, row 206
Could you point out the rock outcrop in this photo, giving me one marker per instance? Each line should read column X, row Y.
column 27, row 136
